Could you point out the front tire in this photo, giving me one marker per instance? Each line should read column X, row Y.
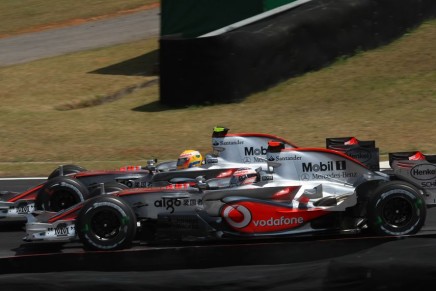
column 396, row 208
column 60, row 193
column 106, row 223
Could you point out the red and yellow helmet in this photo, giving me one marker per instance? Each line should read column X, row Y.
column 189, row 159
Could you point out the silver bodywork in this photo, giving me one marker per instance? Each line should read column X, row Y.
column 317, row 173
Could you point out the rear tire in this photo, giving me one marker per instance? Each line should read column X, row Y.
column 66, row 170
column 60, row 193
column 106, row 223
column 396, row 208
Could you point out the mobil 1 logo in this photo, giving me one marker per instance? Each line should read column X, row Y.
column 326, row 170
column 252, row 153
column 328, row 166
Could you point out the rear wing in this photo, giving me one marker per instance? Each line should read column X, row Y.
column 364, row 151
column 411, row 156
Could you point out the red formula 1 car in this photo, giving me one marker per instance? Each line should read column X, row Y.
column 71, row 184
column 303, row 191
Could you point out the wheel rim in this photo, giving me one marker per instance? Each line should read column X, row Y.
column 105, row 225
column 62, row 200
column 397, row 212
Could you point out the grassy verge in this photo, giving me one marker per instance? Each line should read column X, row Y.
column 388, row 95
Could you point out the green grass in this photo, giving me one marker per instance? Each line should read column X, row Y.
column 387, row 94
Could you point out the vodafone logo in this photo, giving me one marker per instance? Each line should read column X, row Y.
column 237, row 216
column 279, row 221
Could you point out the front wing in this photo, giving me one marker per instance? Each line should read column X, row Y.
column 60, row 231
column 17, row 209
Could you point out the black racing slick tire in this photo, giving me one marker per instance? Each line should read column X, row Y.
column 66, row 170
column 106, row 223
column 396, row 208
column 60, row 193
column 108, row 188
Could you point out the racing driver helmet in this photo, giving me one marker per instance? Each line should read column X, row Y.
column 189, row 159
column 244, row 176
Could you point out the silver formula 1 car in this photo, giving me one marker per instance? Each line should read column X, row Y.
column 300, row 191
column 71, row 184
column 330, row 193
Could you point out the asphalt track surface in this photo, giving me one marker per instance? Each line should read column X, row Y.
column 323, row 263
column 89, row 35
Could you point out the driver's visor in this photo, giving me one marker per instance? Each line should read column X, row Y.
column 182, row 162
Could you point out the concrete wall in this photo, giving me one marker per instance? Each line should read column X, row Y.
column 233, row 65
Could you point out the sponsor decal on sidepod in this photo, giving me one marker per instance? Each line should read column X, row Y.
column 253, row 217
